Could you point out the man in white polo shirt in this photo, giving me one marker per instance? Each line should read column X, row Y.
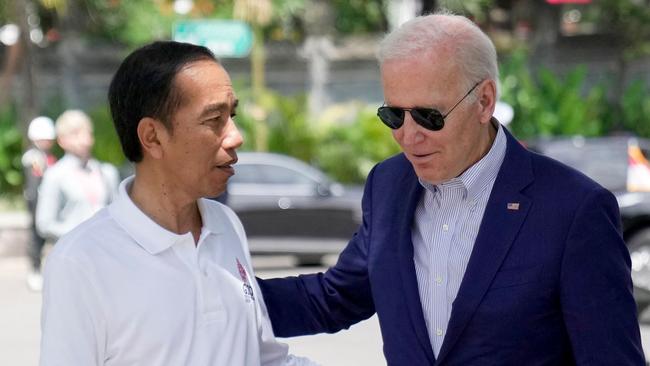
column 162, row 276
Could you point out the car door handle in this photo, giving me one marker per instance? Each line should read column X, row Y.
column 284, row 203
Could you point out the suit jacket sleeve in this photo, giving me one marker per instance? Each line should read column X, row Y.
column 596, row 287
column 329, row 302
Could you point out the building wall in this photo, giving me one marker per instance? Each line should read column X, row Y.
column 351, row 78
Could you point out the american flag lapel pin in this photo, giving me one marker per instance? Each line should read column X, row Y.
column 513, row 206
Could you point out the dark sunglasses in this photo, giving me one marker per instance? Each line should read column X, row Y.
column 429, row 118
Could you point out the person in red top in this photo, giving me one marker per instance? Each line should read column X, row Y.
column 35, row 161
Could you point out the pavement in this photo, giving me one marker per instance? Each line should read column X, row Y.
column 14, row 233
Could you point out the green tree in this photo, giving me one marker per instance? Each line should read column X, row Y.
column 546, row 104
column 11, row 176
column 629, row 21
column 359, row 17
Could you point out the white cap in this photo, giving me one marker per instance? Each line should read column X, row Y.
column 41, row 128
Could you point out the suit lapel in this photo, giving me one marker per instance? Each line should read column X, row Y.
column 406, row 210
column 505, row 212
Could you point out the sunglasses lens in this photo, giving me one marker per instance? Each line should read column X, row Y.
column 430, row 119
column 392, row 117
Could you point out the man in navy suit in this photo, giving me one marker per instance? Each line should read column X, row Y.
column 472, row 250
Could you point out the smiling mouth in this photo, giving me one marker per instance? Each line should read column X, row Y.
column 421, row 156
column 228, row 167
column 228, row 164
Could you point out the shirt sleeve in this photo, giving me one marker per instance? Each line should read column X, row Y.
column 47, row 209
column 111, row 179
column 72, row 332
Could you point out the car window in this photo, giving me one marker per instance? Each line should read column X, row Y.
column 605, row 164
column 268, row 174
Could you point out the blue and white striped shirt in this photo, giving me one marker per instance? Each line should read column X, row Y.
column 446, row 224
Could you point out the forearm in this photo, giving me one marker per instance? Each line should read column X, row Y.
column 47, row 224
column 319, row 303
column 47, row 210
column 297, row 317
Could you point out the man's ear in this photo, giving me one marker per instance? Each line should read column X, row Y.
column 62, row 142
column 152, row 134
column 487, row 100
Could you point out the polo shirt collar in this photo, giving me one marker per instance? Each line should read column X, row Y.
column 147, row 233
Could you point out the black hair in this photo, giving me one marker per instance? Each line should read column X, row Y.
column 143, row 86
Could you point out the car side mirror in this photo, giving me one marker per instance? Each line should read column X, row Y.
column 327, row 190
column 323, row 190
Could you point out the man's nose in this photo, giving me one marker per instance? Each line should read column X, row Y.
column 410, row 131
column 233, row 138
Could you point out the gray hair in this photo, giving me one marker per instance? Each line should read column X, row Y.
column 472, row 49
column 71, row 121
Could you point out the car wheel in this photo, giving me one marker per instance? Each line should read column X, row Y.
column 639, row 246
column 308, row 260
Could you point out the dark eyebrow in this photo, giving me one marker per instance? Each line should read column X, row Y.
column 216, row 107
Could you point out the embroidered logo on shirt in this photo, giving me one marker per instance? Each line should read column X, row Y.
column 248, row 289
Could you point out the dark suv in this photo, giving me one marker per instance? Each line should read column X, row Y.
column 620, row 164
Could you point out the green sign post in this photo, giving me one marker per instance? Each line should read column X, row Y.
column 226, row 38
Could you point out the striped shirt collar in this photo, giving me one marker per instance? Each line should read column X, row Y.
column 480, row 175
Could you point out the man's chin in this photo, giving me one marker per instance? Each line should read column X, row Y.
column 426, row 175
column 215, row 191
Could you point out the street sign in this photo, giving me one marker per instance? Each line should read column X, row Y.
column 226, row 38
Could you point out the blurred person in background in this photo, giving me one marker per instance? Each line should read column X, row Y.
column 163, row 276
column 77, row 186
column 36, row 160
column 472, row 250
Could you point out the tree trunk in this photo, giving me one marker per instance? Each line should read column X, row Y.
column 69, row 50
column 618, row 88
column 317, row 49
column 546, row 28
column 7, row 74
column 28, row 101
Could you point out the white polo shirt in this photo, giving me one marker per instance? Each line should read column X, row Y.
column 121, row 290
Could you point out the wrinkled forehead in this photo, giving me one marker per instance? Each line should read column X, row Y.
column 429, row 73
column 205, row 79
column 205, row 70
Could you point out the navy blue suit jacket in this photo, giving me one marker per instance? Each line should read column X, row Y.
column 546, row 284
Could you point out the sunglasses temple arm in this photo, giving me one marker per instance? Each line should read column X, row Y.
column 461, row 100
